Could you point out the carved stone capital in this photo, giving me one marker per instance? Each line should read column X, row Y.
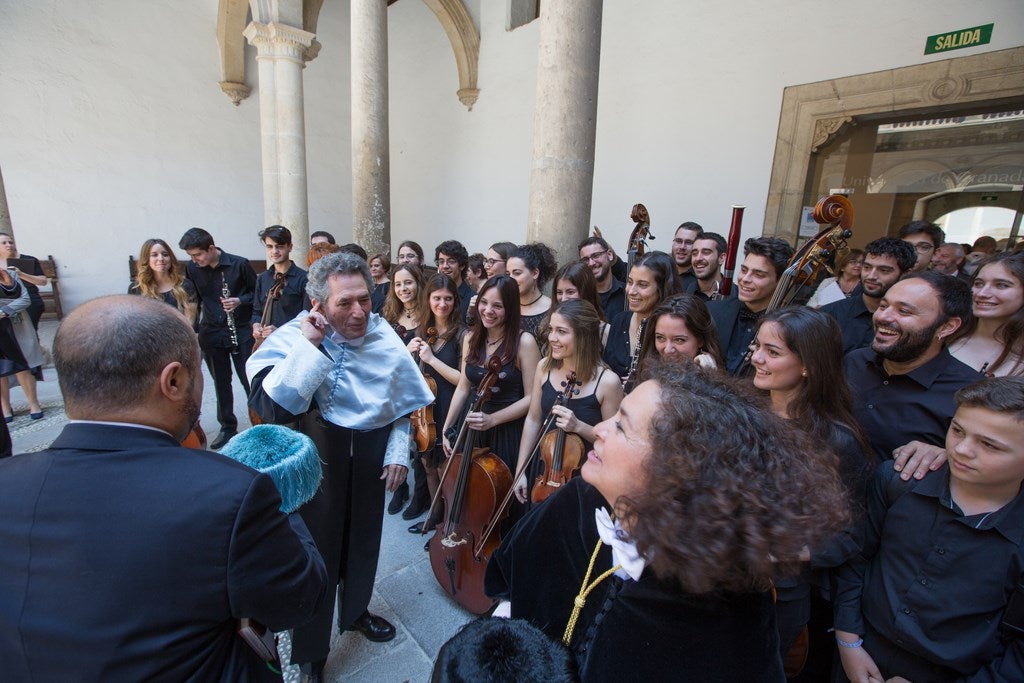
column 280, row 40
column 236, row 91
column 465, row 41
column 826, row 129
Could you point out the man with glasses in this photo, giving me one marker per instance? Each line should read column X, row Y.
column 682, row 251
column 595, row 253
column 925, row 237
column 452, row 259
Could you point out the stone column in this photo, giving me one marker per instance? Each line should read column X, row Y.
column 371, row 167
column 565, row 124
column 5, row 213
column 280, row 50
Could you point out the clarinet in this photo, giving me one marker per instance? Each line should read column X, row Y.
column 634, row 363
column 232, row 327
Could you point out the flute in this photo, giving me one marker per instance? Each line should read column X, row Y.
column 232, row 327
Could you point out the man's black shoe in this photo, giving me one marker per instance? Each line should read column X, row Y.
column 222, row 439
column 416, row 508
column 376, row 629
column 398, row 498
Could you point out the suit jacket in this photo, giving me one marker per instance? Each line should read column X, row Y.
column 124, row 557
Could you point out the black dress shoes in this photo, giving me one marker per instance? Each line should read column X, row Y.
column 416, row 508
column 398, row 498
column 376, row 629
column 222, row 439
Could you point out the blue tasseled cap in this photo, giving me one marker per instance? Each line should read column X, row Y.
column 288, row 456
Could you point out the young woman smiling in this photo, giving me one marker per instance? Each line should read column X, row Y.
column 160, row 276
column 532, row 265
column 495, row 332
column 798, row 360
column 651, row 280
column 403, row 305
column 993, row 342
column 574, row 346
column 682, row 330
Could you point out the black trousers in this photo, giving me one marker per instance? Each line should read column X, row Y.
column 219, row 362
column 345, row 519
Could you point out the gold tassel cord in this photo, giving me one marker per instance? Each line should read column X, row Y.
column 581, row 599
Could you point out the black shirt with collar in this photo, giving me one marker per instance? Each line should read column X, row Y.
column 854, row 320
column 614, row 300
column 893, row 410
column 289, row 304
column 693, row 287
column 466, row 293
column 933, row 582
column 241, row 280
column 736, row 325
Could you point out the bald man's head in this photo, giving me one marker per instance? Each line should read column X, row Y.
column 110, row 352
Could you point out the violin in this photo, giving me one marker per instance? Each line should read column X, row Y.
column 561, row 452
column 424, row 428
column 470, row 497
column 272, row 295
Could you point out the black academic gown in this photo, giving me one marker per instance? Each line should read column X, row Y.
column 646, row 630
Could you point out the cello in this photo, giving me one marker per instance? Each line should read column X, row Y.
column 470, row 497
column 561, row 452
column 424, row 428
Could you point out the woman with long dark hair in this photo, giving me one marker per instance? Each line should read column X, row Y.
column 532, row 265
column 657, row 562
column 993, row 341
column 404, row 305
column 798, row 360
column 438, row 345
column 681, row 329
column 651, row 280
column 574, row 346
column 495, row 332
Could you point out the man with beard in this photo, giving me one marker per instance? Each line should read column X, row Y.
column 707, row 257
column 885, row 262
column 682, row 250
column 124, row 556
column 903, row 385
column 764, row 261
column 598, row 255
column 949, row 259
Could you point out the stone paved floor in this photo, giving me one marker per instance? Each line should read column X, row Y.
column 406, row 592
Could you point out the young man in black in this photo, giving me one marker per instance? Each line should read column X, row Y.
column 707, row 257
column 764, row 260
column 925, row 237
column 452, row 259
column 682, row 251
column 225, row 332
column 288, row 302
column 595, row 253
column 886, row 260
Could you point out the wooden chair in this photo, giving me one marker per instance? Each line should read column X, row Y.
column 51, row 299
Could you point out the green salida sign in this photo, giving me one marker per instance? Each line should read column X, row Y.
column 954, row 40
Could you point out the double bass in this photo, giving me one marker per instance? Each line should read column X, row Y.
column 473, row 482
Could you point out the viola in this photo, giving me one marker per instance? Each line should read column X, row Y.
column 561, row 452
column 424, row 428
column 471, row 485
column 273, row 294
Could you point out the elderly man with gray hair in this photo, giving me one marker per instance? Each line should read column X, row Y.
column 343, row 376
column 949, row 259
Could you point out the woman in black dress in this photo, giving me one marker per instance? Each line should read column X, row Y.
column 160, row 276
column 651, row 280
column 380, row 265
column 656, row 563
column 438, row 345
column 574, row 346
column 532, row 265
column 798, row 360
column 495, row 332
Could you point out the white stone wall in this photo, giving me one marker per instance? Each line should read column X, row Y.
column 113, row 128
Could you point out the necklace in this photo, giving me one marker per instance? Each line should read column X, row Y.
column 492, row 343
column 539, row 297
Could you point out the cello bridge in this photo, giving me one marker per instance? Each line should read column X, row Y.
column 451, row 541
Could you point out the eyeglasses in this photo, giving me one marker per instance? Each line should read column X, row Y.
column 447, row 262
column 593, row 257
column 488, row 262
column 923, row 247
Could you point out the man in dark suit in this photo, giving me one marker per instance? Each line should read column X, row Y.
column 123, row 556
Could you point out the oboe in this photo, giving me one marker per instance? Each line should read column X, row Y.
column 232, row 327
column 634, row 363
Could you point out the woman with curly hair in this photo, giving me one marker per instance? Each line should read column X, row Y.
column 161, row 277
column 798, row 359
column 531, row 266
column 993, row 341
column 682, row 330
column 660, row 557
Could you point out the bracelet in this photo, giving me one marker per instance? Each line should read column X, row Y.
column 846, row 644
